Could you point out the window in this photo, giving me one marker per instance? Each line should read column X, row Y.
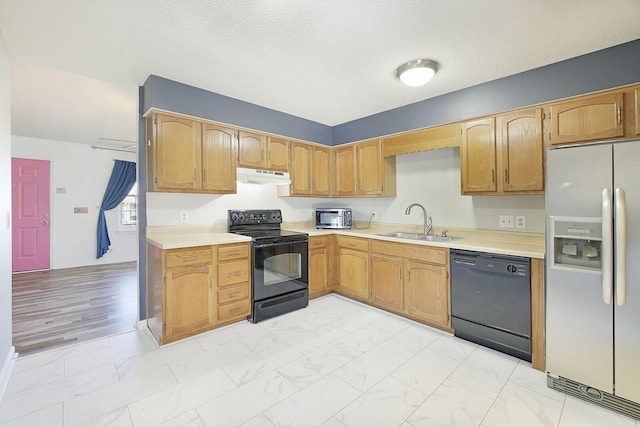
column 129, row 210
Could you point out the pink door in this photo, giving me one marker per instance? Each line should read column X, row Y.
column 30, row 211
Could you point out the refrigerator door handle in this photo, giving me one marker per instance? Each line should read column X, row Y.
column 607, row 247
column 621, row 246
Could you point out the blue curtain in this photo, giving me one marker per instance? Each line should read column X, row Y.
column 123, row 177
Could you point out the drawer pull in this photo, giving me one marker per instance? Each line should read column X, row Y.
column 234, row 294
column 233, row 253
column 235, row 273
column 235, row 310
column 190, row 258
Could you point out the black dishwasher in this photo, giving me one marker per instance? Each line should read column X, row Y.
column 491, row 301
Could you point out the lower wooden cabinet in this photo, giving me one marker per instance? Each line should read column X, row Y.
column 411, row 280
column 320, row 270
column 191, row 290
column 353, row 266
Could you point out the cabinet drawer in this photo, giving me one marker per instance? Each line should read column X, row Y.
column 189, row 257
column 236, row 309
column 233, row 252
column 231, row 294
column 415, row 252
column 318, row 242
column 353, row 243
column 234, row 272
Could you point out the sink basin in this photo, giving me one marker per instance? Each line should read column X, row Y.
column 417, row 236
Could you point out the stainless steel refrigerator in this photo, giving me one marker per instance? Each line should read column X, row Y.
column 593, row 273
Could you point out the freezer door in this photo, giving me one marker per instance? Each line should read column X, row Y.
column 579, row 325
column 627, row 317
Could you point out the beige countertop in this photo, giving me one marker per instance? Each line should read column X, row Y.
column 530, row 245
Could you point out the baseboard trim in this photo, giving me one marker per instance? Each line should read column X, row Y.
column 7, row 367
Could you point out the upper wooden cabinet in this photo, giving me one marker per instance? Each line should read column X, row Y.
column 173, row 151
column 344, row 162
column 369, row 168
column 320, row 183
column 478, row 157
column 507, row 158
column 632, row 111
column 520, row 151
column 301, row 167
column 587, row 118
column 277, row 154
column 252, row 150
column 218, row 159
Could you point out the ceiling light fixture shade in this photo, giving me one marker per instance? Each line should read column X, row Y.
column 417, row 72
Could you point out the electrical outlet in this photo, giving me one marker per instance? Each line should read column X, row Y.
column 312, row 213
column 374, row 214
column 521, row 221
column 505, row 221
column 184, row 216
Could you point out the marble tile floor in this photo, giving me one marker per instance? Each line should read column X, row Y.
column 336, row 363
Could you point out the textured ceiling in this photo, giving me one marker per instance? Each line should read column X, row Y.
column 330, row 61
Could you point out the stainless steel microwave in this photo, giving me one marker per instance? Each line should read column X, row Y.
column 333, row 218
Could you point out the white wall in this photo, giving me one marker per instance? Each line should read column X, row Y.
column 431, row 178
column 6, row 349
column 84, row 173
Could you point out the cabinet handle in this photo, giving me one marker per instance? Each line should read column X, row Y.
column 234, row 294
column 195, row 175
column 233, row 253
column 205, row 175
column 235, row 273
column 235, row 310
column 506, row 175
column 493, row 175
column 619, row 115
column 190, row 258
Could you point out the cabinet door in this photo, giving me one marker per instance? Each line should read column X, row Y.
column 218, row 159
column 189, row 301
column 252, row 150
column 369, row 168
column 427, row 292
column 587, row 118
column 177, row 154
column 300, row 169
column 478, row 156
column 632, row 112
column 345, row 171
column 352, row 274
column 278, row 154
column 521, row 151
column 320, row 171
column 387, row 288
column 318, row 270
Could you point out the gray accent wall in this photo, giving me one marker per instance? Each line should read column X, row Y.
column 604, row 69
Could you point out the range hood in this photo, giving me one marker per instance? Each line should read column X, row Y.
column 260, row 176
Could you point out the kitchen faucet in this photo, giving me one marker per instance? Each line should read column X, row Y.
column 427, row 219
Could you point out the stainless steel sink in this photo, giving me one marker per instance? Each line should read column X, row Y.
column 417, row 236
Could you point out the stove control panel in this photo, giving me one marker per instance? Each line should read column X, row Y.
column 248, row 217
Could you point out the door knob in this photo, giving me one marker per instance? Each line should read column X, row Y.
column 45, row 222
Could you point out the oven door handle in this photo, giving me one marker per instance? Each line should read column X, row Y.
column 280, row 242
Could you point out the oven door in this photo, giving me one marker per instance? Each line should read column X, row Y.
column 279, row 268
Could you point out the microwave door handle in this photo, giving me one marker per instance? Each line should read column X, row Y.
column 607, row 247
column 621, row 246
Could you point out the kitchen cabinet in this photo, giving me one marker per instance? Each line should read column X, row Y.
column 387, row 286
column 233, row 283
column 632, row 112
column 174, row 153
column 586, row 118
column 344, row 159
column 277, row 154
column 320, row 183
column 478, row 156
column 181, row 299
column 353, row 266
column 192, row 290
column 188, row 156
column 520, row 152
column 412, row 280
column 252, row 150
column 301, row 169
column 218, row 159
column 320, row 256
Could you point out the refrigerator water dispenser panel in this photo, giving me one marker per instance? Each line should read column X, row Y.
column 577, row 243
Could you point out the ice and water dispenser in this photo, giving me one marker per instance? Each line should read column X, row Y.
column 577, row 243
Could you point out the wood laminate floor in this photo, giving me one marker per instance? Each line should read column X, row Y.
column 59, row 307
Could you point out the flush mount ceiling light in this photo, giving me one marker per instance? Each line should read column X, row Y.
column 417, row 72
